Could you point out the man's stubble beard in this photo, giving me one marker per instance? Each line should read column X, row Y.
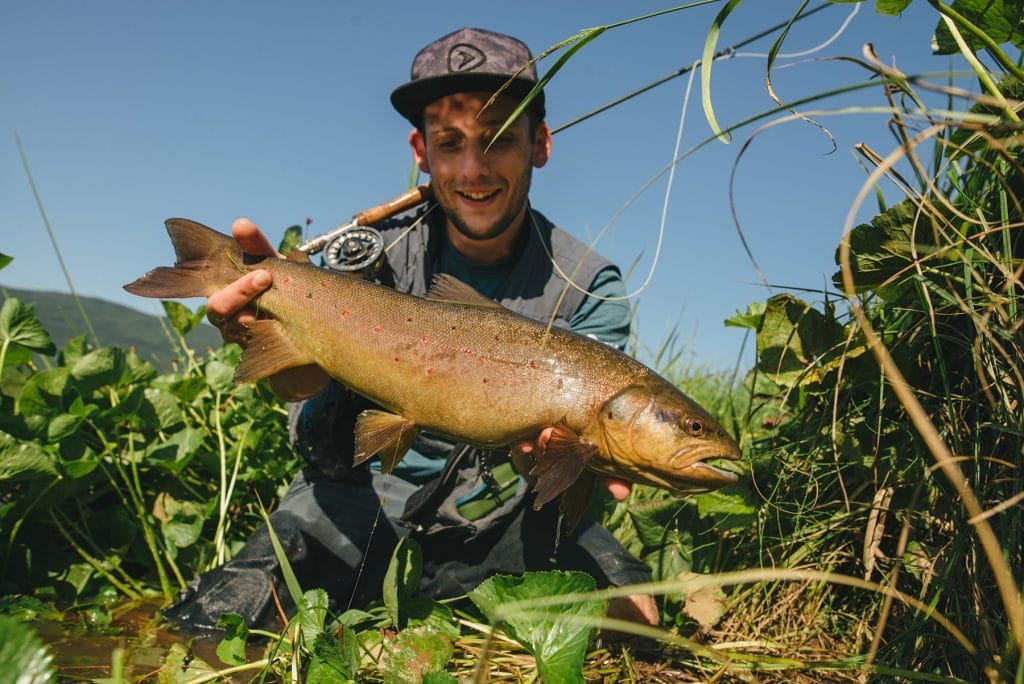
column 503, row 223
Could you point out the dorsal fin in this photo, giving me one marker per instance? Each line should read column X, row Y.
column 448, row 288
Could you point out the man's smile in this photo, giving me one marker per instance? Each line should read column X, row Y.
column 478, row 195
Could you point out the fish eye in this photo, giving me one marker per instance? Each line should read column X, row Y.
column 695, row 426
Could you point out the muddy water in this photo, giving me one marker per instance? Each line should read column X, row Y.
column 83, row 654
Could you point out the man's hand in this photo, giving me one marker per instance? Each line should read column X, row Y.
column 522, row 455
column 228, row 310
column 638, row 608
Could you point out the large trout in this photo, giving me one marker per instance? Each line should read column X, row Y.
column 457, row 364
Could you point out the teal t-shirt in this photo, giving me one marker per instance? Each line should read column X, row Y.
column 606, row 320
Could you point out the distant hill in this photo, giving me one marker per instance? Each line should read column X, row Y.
column 115, row 325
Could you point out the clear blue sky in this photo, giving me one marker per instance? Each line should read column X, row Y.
column 134, row 112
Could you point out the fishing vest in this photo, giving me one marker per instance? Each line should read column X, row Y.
column 533, row 288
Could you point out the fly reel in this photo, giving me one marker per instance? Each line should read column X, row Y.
column 356, row 250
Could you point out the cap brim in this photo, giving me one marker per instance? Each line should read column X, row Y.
column 411, row 98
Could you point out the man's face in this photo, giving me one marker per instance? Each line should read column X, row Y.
column 482, row 193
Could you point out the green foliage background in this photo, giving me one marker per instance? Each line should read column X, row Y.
column 876, row 530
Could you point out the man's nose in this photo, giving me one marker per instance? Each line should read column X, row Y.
column 475, row 161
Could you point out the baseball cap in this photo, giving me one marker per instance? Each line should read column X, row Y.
column 469, row 59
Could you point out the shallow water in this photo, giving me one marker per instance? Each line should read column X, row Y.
column 82, row 653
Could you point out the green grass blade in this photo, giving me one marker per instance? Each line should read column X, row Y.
column 290, row 580
column 705, row 69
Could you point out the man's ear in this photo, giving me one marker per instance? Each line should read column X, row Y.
column 419, row 149
column 541, row 145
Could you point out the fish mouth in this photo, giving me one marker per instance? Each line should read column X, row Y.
column 701, row 476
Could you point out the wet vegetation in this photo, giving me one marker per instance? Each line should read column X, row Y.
column 875, row 533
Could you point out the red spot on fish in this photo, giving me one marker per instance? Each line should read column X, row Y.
column 533, row 364
column 376, row 328
column 346, row 313
column 397, row 360
column 423, row 339
column 286, row 281
column 469, row 351
column 430, row 371
column 485, row 381
column 408, row 320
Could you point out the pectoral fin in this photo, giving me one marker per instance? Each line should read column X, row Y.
column 574, row 500
column 269, row 351
column 383, row 433
column 565, row 457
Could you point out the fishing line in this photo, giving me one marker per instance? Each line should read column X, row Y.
column 664, row 215
column 810, row 51
column 727, row 53
column 723, row 53
column 369, row 540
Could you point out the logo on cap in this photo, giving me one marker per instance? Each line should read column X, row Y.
column 464, row 57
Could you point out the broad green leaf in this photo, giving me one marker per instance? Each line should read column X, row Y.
column 423, row 610
column 353, row 617
column 182, row 319
column 43, row 394
column 1002, row 21
column 24, row 460
column 669, row 561
column 883, row 252
column 890, row 7
column 5, row 259
column 18, row 323
column 28, row 609
column 176, row 451
column 312, row 612
column 402, row 578
column 73, row 350
column 62, row 426
column 16, row 355
column 751, row 318
column 334, row 659
column 181, row 522
column 291, row 240
column 99, row 368
column 82, row 463
column 138, row 370
column 733, row 508
column 166, row 407
column 23, row 653
column 231, row 649
column 415, row 652
column 220, row 375
column 132, row 408
column 557, row 636
column 654, row 520
column 181, row 665
column 797, row 344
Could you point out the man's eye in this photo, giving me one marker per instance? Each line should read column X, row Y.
column 448, row 145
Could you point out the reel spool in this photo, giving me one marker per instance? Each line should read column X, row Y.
column 357, row 250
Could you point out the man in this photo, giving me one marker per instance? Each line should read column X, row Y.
column 469, row 508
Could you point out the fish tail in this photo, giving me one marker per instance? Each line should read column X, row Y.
column 205, row 262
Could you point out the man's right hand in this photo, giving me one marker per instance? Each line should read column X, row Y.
column 229, row 311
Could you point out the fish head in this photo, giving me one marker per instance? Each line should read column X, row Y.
column 656, row 435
